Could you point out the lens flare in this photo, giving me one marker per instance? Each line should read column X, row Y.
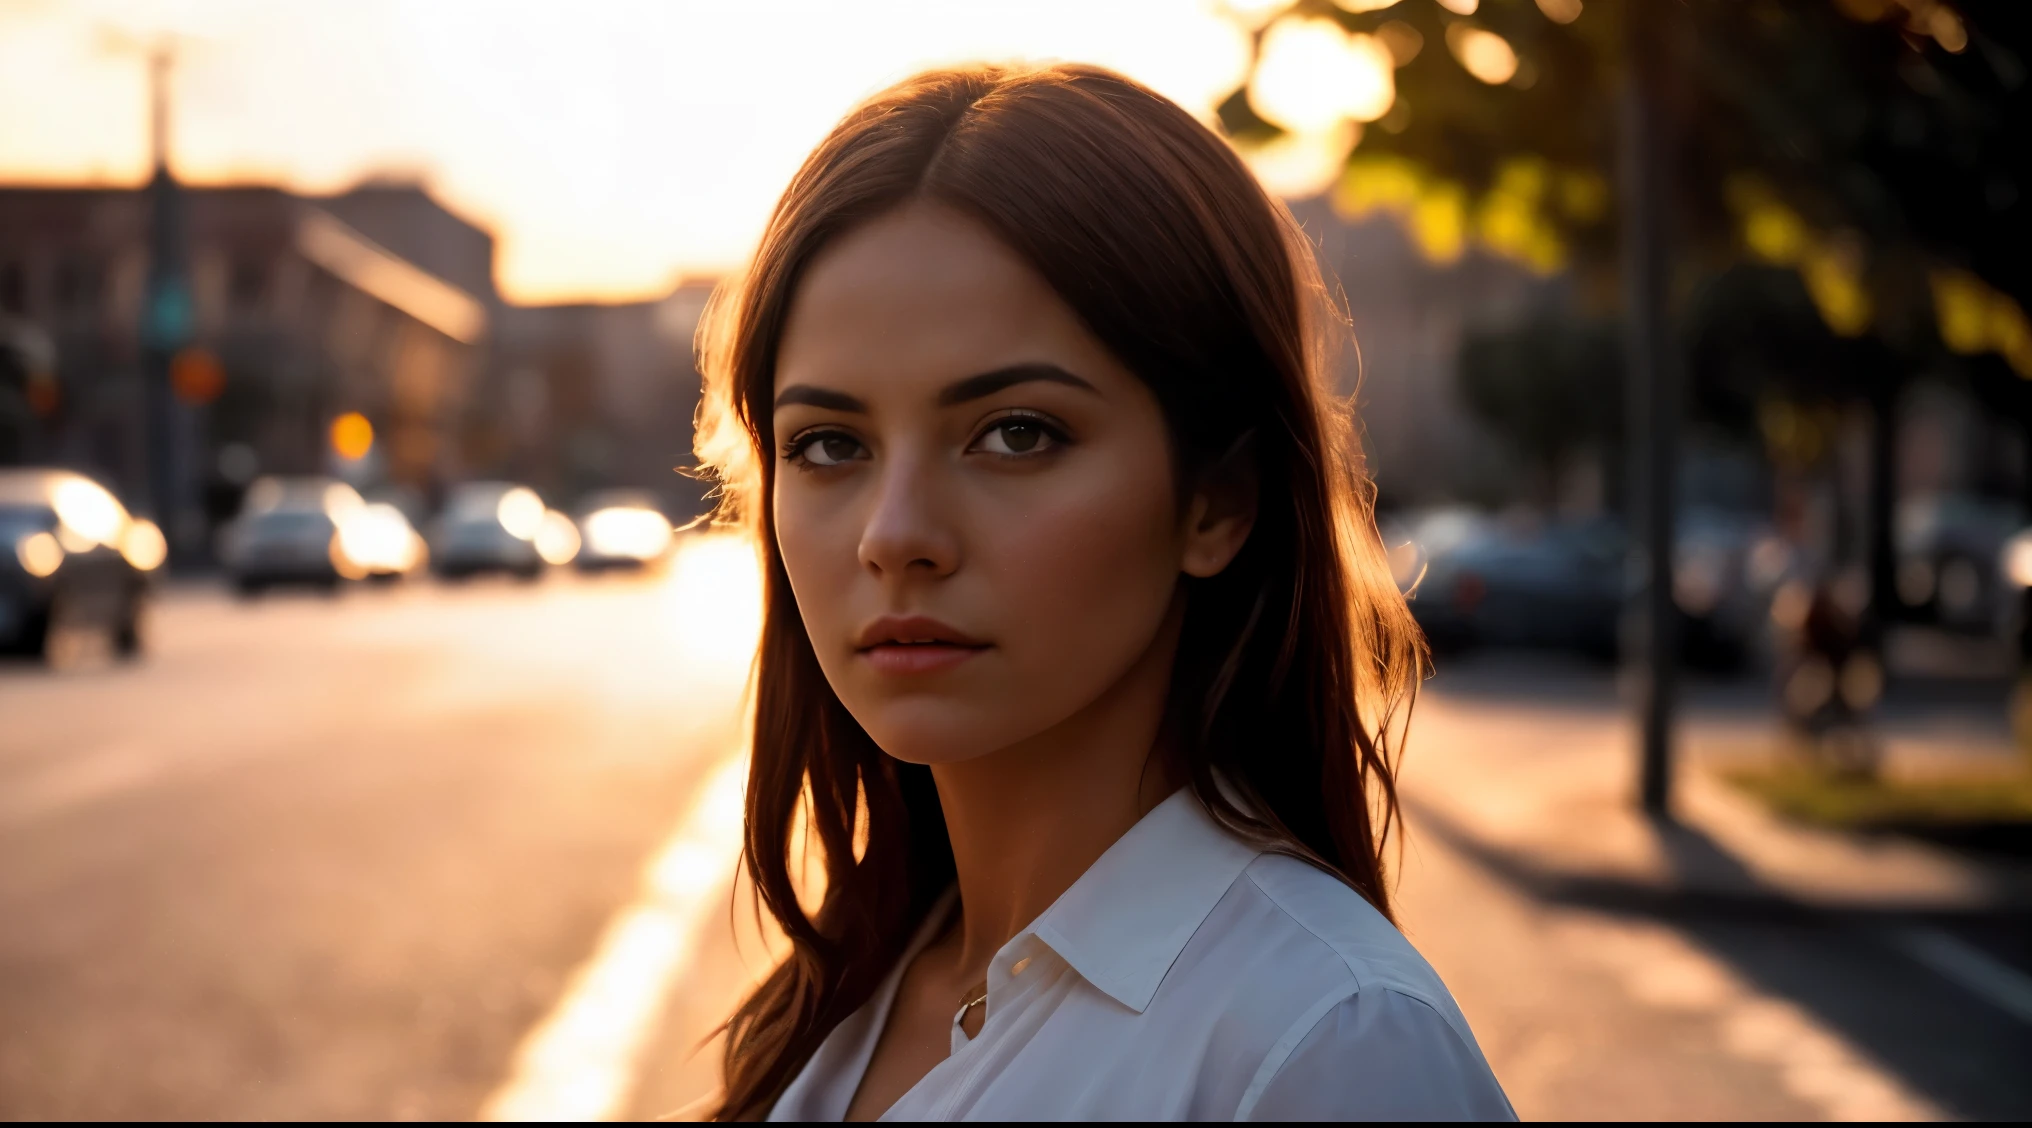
column 715, row 600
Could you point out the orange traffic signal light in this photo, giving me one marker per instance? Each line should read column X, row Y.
column 352, row 436
column 196, row 376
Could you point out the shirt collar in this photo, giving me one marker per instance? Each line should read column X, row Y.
column 1123, row 923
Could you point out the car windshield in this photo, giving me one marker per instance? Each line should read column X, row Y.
column 17, row 521
column 480, row 503
column 289, row 523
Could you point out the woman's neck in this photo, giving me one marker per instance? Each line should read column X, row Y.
column 1025, row 822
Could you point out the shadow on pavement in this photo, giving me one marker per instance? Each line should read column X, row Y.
column 1841, row 966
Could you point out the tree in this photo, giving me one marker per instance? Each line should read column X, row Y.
column 1876, row 147
column 1872, row 150
column 1550, row 386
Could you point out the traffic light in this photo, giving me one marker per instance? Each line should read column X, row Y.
column 352, row 436
column 196, row 376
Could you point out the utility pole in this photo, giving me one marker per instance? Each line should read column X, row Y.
column 1652, row 390
column 167, row 314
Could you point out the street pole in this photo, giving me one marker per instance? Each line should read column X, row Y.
column 1652, row 399
column 166, row 315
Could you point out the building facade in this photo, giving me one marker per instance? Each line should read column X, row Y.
column 298, row 316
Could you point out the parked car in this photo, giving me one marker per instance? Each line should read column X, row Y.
column 489, row 527
column 1554, row 586
column 623, row 529
column 1566, row 585
column 1726, row 565
column 2015, row 565
column 71, row 557
column 288, row 533
column 1949, row 547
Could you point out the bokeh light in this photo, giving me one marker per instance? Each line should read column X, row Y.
column 557, row 539
column 520, row 512
column 1311, row 76
column 1484, row 54
column 39, row 553
column 144, row 546
column 352, row 436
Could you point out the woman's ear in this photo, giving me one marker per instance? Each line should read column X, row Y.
column 1223, row 510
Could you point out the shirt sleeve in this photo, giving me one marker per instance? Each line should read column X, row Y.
column 1382, row 1055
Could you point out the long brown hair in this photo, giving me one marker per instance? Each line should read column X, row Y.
column 1294, row 661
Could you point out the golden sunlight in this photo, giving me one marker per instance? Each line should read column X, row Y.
column 613, row 147
column 1312, row 76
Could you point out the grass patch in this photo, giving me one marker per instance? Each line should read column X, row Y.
column 1817, row 796
column 1985, row 813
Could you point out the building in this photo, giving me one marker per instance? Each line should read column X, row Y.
column 1409, row 318
column 588, row 396
column 299, row 315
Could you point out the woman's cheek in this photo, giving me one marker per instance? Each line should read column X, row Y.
column 820, row 547
column 1084, row 581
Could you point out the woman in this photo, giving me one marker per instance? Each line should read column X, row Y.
column 1079, row 648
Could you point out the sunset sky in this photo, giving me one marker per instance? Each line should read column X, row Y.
column 613, row 147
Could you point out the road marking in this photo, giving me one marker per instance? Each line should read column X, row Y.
column 582, row 1061
column 1971, row 968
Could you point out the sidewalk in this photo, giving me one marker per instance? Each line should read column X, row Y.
column 1550, row 803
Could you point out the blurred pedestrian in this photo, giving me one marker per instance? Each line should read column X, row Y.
column 1081, row 648
column 1829, row 675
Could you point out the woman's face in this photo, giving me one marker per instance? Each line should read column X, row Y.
column 973, row 499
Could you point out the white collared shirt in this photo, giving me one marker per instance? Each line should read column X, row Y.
column 1186, row 975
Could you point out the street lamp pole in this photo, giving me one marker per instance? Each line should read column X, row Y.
column 1652, row 392
column 167, row 313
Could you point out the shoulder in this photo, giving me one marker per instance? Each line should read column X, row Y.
column 1342, row 933
column 1370, row 1028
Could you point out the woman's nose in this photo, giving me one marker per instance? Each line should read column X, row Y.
column 906, row 531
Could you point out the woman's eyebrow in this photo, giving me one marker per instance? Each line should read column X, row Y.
column 988, row 383
column 963, row 391
column 819, row 397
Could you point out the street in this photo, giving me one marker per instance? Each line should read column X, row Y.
column 331, row 858
column 438, row 851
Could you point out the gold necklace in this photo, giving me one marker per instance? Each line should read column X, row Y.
column 967, row 1004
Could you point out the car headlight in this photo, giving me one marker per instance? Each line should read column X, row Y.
column 143, row 545
column 2016, row 564
column 628, row 532
column 39, row 553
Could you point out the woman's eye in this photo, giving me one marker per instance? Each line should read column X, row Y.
column 827, row 449
column 1017, row 436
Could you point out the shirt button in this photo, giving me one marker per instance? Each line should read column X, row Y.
column 1016, row 968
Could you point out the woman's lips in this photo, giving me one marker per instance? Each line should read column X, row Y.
column 904, row 658
column 915, row 644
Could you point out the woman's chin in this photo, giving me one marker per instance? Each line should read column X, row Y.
column 943, row 732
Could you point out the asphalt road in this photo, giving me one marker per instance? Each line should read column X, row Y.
column 381, row 856
column 333, row 858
